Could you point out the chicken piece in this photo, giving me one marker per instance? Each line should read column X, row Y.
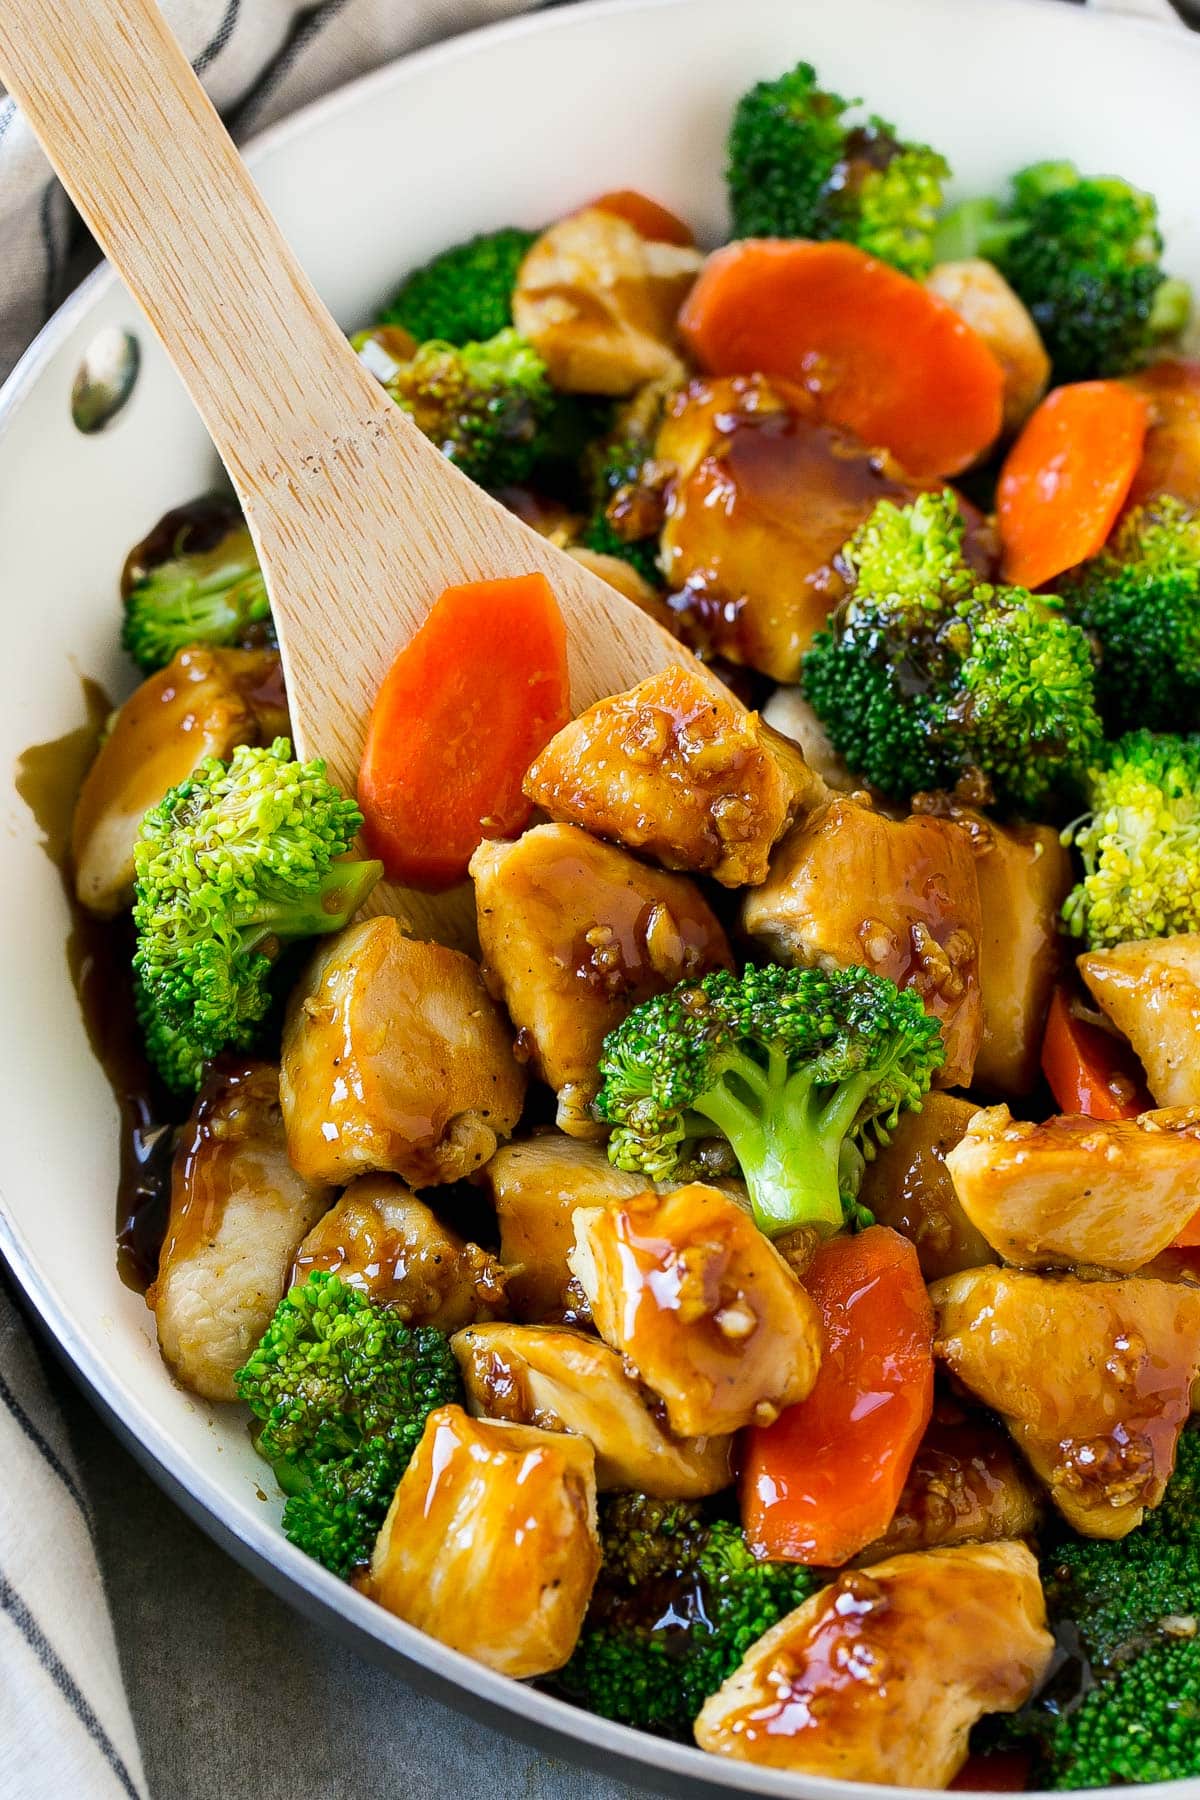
column 574, row 933
column 395, row 1058
column 848, row 885
column 382, row 1240
column 1107, row 1193
column 966, row 1485
column 490, row 1544
column 979, row 294
column 598, row 303
column 1093, row 1379
column 536, row 1187
column 1151, row 992
column 238, row 1213
column 677, row 770
column 204, row 703
column 1024, row 874
column 1171, row 458
column 908, row 1186
column 881, row 1675
column 625, row 578
column 701, row 1304
column 566, row 1380
column 790, row 714
column 764, row 495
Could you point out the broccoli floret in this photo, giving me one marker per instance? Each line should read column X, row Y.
column 231, row 864
column 208, row 597
column 1083, row 253
column 1143, row 1724
column 678, row 1603
column 335, row 1509
column 342, row 1388
column 1139, row 842
column 798, row 168
column 489, row 407
column 464, row 294
column 926, row 673
column 791, row 1066
column 1131, row 1710
column 623, row 507
column 1140, row 599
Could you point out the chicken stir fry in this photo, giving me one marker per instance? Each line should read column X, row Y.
column 752, row 1284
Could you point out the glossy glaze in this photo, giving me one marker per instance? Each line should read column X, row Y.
column 382, row 1240
column 1099, row 1419
column 1109, row 1194
column 701, row 1304
column 574, row 932
column 675, row 770
column 764, row 496
column 238, row 1213
column 490, row 1543
column 881, row 1675
column 395, row 1059
column 204, row 703
column 907, row 1186
column 899, row 897
column 567, row 1380
column 1151, row 992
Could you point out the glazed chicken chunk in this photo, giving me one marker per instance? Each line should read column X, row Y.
column 238, row 1213
column 384, row 1241
column 1024, row 875
column 679, row 771
column 575, row 932
column 794, row 717
column 204, row 703
column 535, row 1187
column 701, row 1305
column 490, row 1543
column 598, row 303
column 566, row 1380
column 763, row 495
column 967, row 1485
column 848, row 885
column 1151, row 992
column 881, row 1675
column 395, row 1058
column 1093, row 1379
column 907, row 1185
column 1111, row 1193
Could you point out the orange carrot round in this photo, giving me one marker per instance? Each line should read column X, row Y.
column 878, row 352
column 468, row 703
column 655, row 223
column 1065, row 479
column 823, row 1481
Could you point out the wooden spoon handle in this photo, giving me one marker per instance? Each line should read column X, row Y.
column 139, row 146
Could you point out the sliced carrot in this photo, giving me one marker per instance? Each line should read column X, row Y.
column 823, row 1481
column 469, row 702
column 650, row 220
column 1090, row 1071
column 878, row 352
column 1065, row 479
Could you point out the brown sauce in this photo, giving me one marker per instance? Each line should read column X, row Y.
column 99, row 951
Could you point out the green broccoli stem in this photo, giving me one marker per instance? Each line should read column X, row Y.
column 333, row 904
column 788, row 1134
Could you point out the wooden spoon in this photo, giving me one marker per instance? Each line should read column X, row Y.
column 359, row 522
